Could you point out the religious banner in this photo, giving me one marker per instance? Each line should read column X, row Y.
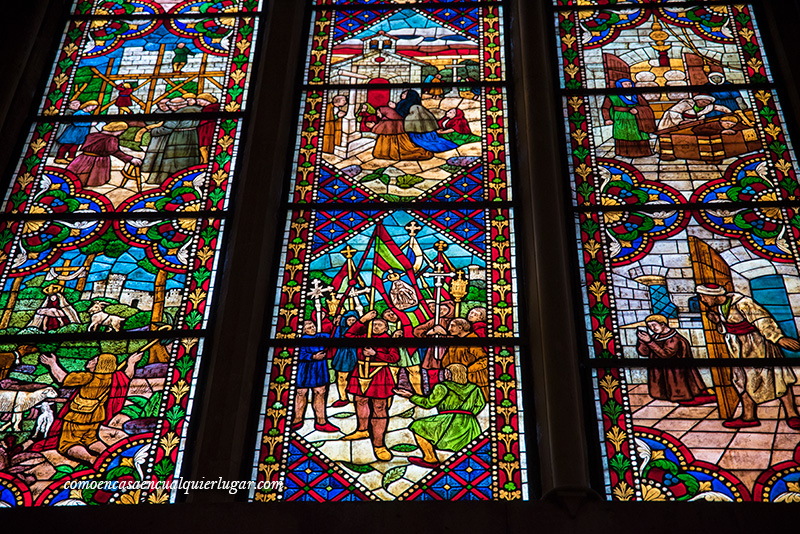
column 393, row 371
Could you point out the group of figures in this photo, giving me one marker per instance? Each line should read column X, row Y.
column 405, row 130
column 174, row 144
column 750, row 331
column 455, row 380
column 717, row 112
column 86, row 403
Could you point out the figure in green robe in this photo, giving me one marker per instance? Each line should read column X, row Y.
column 456, row 425
column 632, row 120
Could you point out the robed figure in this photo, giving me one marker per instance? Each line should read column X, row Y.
column 393, row 142
column 100, row 395
column 93, row 165
column 456, row 424
column 54, row 312
column 685, row 386
column 632, row 120
column 752, row 333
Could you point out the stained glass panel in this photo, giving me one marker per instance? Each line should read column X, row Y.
column 119, row 66
column 679, row 156
column 157, row 7
column 679, row 448
column 144, row 389
column 110, row 246
column 368, row 145
column 101, row 275
column 684, row 183
column 407, row 46
column 318, row 462
column 126, row 166
column 664, row 47
column 395, row 306
column 406, row 262
column 749, row 251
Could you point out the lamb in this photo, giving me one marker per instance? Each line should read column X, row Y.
column 102, row 318
column 20, row 399
column 45, row 420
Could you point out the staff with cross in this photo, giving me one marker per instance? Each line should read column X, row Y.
column 316, row 293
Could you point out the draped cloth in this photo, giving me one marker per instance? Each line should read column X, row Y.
column 393, row 142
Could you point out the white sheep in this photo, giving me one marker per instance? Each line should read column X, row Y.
column 18, row 402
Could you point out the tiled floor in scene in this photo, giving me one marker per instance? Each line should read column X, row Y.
column 745, row 453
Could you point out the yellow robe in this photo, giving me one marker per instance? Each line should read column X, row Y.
column 333, row 130
column 763, row 384
column 86, row 410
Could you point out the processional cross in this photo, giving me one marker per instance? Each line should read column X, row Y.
column 438, row 275
column 412, row 228
column 316, row 293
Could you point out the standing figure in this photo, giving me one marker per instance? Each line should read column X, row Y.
column 71, row 136
column 393, row 142
column 751, row 332
column 332, row 137
column 54, row 312
column 124, row 100
column 312, row 374
column 435, row 92
column 456, row 424
column 101, row 393
column 344, row 359
column 93, row 165
column 180, row 148
column 685, row 386
column 180, row 57
column 371, row 385
column 632, row 120
column 205, row 132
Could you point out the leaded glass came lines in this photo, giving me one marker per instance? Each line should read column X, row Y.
column 685, row 197
column 111, row 237
column 391, row 376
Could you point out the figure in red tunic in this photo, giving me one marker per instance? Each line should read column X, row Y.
column 372, row 384
column 54, row 312
column 124, row 99
column 93, row 165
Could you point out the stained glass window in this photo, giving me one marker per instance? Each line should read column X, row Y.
column 393, row 372
column 684, row 192
column 111, row 230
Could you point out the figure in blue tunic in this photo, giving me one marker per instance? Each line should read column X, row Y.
column 312, row 373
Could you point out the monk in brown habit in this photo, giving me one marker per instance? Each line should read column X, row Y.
column 676, row 385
